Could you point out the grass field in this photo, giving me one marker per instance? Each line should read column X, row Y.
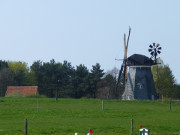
column 67, row 116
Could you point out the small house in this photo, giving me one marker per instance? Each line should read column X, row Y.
column 22, row 90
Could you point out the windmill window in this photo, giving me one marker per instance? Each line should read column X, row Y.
column 140, row 85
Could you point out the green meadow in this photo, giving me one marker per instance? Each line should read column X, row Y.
column 70, row 116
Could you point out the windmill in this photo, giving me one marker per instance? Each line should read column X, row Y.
column 123, row 70
column 154, row 50
column 138, row 82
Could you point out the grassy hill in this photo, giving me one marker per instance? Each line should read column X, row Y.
column 67, row 116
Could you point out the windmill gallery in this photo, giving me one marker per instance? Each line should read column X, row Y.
column 136, row 73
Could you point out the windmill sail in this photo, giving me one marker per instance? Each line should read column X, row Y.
column 123, row 70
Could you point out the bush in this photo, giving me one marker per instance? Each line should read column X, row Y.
column 15, row 94
column 35, row 96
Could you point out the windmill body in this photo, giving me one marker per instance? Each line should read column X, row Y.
column 139, row 84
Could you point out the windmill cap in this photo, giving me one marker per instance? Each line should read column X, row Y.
column 139, row 60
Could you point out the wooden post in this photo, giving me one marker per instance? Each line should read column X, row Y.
column 131, row 126
column 57, row 94
column 102, row 105
column 37, row 96
column 170, row 105
column 26, row 126
column 37, row 105
column 58, row 81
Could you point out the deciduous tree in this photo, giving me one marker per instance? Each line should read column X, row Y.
column 164, row 81
column 20, row 72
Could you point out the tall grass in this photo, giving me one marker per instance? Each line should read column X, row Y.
column 67, row 116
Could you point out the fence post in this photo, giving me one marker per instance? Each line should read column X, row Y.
column 131, row 126
column 170, row 106
column 26, row 126
column 102, row 105
column 37, row 104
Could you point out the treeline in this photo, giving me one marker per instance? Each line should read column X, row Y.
column 58, row 78
column 63, row 80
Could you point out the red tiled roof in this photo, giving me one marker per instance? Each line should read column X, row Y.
column 24, row 90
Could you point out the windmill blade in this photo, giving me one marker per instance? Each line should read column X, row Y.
column 159, row 52
column 123, row 66
column 150, row 46
column 128, row 36
column 152, row 53
column 150, row 50
column 154, row 44
column 120, row 73
column 125, row 49
column 125, row 73
column 159, row 48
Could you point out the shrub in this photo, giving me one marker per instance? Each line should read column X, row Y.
column 15, row 94
column 35, row 96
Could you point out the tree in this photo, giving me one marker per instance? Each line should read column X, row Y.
column 164, row 81
column 118, row 91
column 6, row 79
column 3, row 64
column 54, row 79
column 47, row 75
column 20, row 72
column 80, row 81
column 106, row 88
column 114, row 72
column 95, row 76
column 52, row 75
column 36, row 69
column 67, row 81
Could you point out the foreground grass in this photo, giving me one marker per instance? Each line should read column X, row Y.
column 67, row 116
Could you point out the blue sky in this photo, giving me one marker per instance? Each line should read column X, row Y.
column 88, row 31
